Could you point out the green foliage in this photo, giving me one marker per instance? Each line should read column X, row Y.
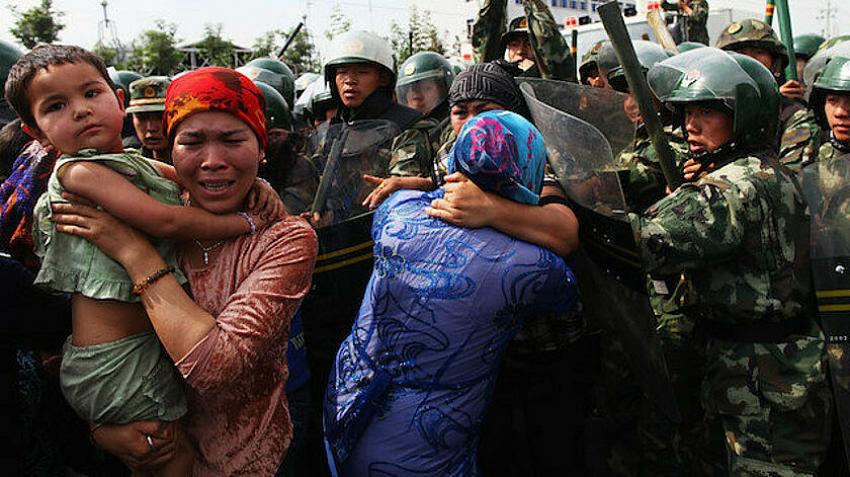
column 339, row 23
column 214, row 48
column 155, row 51
column 108, row 53
column 301, row 56
column 420, row 35
column 39, row 24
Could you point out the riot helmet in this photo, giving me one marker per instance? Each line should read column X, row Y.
column 277, row 111
column 729, row 83
column 9, row 55
column 302, row 82
column 322, row 101
column 817, row 63
column 687, row 46
column 751, row 33
column 834, row 79
column 805, row 46
column 359, row 47
column 424, row 81
column 122, row 80
column 648, row 54
column 274, row 73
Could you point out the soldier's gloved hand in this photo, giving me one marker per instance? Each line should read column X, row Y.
column 792, row 90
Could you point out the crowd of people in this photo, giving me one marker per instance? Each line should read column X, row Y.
column 191, row 289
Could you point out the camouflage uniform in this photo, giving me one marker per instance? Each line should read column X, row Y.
column 800, row 139
column 412, row 151
column 552, row 53
column 697, row 31
column 740, row 236
column 643, row 182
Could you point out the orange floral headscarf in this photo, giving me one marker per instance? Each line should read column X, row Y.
column 215, row 89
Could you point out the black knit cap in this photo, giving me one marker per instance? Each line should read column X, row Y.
column 488, row 82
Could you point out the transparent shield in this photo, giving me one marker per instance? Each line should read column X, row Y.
column 345, row 152
column 826, row 187
column 817, row 63
column 423, row 95
column 581, row 154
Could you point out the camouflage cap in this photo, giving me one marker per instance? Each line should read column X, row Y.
column 756, row 34
column 147, row 95
column 517, row 26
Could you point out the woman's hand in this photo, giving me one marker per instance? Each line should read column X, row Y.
column 265, row 202
column 115, row 238
column 464, row 204
column 129, row 442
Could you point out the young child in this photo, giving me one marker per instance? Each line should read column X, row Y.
column 114, row 369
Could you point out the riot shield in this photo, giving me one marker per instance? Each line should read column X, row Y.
column 612, row 280
column 826, row 186
column 602, row 108
column 817, row 63
column 344, row 152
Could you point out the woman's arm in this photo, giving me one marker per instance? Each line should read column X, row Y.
column 209, row 351
column 109, row 189
column 552, row 226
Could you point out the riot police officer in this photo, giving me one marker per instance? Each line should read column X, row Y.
column 830, row 101
column 739, row 235
column 805, row 47
column 589, row 68
column 274, row 73
column 798, row 136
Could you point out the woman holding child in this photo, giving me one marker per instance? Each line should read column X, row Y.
column 228, row 339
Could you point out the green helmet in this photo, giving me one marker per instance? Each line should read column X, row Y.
column 274, row 73
column 457, row 67
column 302, row 82
column 277, row 111
column 122, row 79
column 748, row 92
column 649, row 54
column 805, row 46
column 359, row 47
column 687, row 46
column 518, row 26
column 425, row 66
column 756, row 34
column 590, row 60
column 833, row 41
column 9, row 55
column 817, row 63
column 834, row 79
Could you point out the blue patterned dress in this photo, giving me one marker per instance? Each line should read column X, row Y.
column 412, row 382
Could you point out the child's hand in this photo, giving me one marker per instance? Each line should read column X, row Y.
column 263, row 201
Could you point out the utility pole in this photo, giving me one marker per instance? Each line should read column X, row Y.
column 107, row 33
column 825, row 16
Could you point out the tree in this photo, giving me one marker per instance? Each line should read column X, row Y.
column 339, row 23
column 266, row 44
column 214, row 48
column 301, row 55
column 155, row 51
column 420, row 35
column 39, row 24
column 107, row 53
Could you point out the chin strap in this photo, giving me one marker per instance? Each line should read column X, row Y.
column 841, row 146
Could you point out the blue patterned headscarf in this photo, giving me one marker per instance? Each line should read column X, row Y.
column 502, row 152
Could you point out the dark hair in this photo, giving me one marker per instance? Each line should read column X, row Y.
column 12, row 142
column 40, row 58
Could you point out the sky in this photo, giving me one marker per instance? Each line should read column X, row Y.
column 253, row 17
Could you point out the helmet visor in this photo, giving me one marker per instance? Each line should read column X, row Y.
column 422, row 96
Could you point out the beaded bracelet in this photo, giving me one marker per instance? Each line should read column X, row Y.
column 250, row 221
column 143, row 285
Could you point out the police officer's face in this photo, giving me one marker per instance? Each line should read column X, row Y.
column 763, row 56
column 837, row 110
column 519, row 51
column 707, row 128
column 466, row 110
column 149, row 130
column 424, row 96
column 356, row 82
column 801, row 67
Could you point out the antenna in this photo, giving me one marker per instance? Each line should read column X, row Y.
column 107, row 31
column 826, row 16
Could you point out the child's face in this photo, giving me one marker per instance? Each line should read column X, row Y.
column 74, row 108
